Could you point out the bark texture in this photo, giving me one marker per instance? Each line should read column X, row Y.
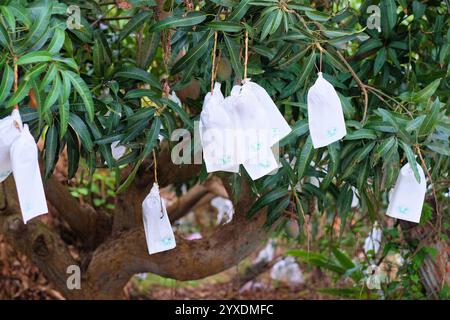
column 113, row 246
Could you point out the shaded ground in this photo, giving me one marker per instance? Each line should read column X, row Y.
column 19, row 279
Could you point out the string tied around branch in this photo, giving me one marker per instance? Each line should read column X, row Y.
column 15, row 87
column 321, row 50
column 246, row 55
column 213, row 64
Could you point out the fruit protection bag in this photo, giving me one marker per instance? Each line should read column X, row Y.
column 217, row 134
column 407, row 198
column 325, row 115
column 278, row 127
column 8, row 134
column 253, row 132
column 27, row 175
column 158, row 231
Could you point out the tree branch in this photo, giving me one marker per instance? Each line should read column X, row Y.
column 90, row 225
column 40, row 244
column 127, row 253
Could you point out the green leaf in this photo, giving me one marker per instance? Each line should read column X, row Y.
column 130, row 178
column 21, row 13
column 379, row 60
column 104, row 150
column 382, row 149
column 66, row 88
column 83, row 90
column 192, row 55
column 179, row 111
column 57, row 41
column 191, row 19
column 369, row 45
column 98, row 58
column 271, row 24
column 6, row 83
column 224, row 26
column 20, row 94
column 49, row 77
column 35, row 71
column 239, row 12
column 41, row 12
column 267, row 199
column 439, row 148
column 301, row 80
column 63, row 117
column 73, row 153
column 137, row 21
column 426, row 93
column 362, row 154
column 317, row 16
column 411, row 159
column 33, row 57
column 361, row 134
column 152, row 136
column 233, row 53
column 305, row 157
column 9, row 17
column 51, row 149
column 148, row 49
column 342, row 258
column 138, row 74
column 67, row 61
column 139, row 93
column 387, row 116
column 300, row 128
column 275, row 212
column 388, row 16
column 294, row 58
column 4, row 37
column 82, row 131
column 431, row 119
column 53, row 94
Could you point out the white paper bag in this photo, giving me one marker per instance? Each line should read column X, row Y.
column 407, row 198
column 27, row 175
column 278, row 127
column 117, row 150
column 8, row 134
column 251, row 121
column 262, row 165
column 158, row 231
column 253, row 131
column 217, row 134
column 325, row 115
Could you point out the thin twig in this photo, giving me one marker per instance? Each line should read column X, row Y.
column 213, row 75
column 360, row 84
column 155, row 166
column 246, row 54
column 424, row 166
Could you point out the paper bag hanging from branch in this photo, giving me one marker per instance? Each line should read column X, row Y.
column 216, row 134
column 325, row 115
column 253, row 132
column 9, row 132
column 158, row 230
column 407, row 198
column 27, row 175
column 278, row 127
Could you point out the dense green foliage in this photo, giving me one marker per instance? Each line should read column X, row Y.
column 88, row 84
